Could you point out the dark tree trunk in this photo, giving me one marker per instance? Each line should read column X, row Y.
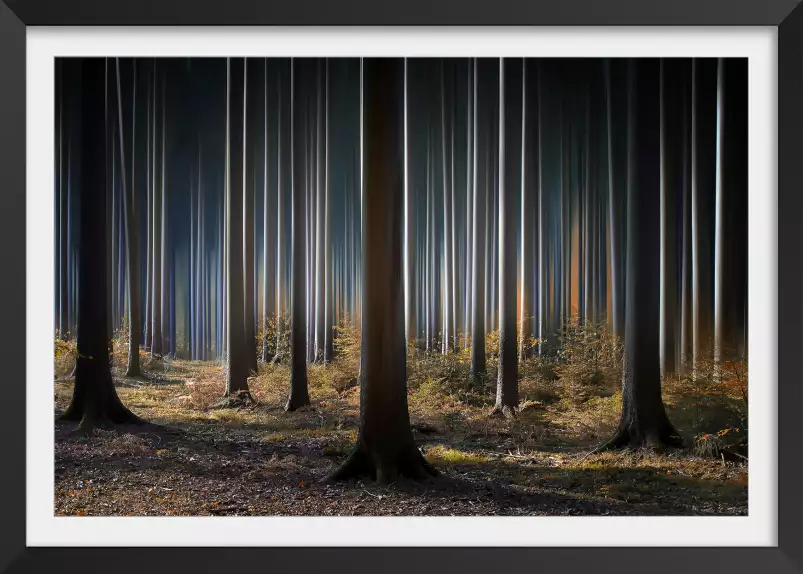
column 131, row 226
column 617, row 190
column 703, row 203
column 237, row 372
column 251, row 125
column 527, row 219
column 478, row 249
column 673, row 74
column 299, row 394
column 685, row 317
column 385, row 448
column 510, row 106
column 644, row 420
column 410, row 261
column 95, row 401
column 66, row 67
column 731, row 213
column 156, row 221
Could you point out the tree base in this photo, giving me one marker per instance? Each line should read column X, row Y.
column 408, row 463
column 238, row 400
column 134, row 374
column 114, row 415
column 296, row 404
column 650, row 438
column 503, row 411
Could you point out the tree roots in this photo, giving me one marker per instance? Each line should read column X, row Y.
column 503, row 411
column 237, row 400
column 653, row 438
column 408, row 463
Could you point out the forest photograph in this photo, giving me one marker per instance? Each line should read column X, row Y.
column 400, row 286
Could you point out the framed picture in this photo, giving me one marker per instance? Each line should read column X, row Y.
column 260, row 242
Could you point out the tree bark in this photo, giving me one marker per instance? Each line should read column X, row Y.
column 731, row 213
column 617, row 190
column 703, row 203
column 510, row 102
column 131, row 226
column 237, row 372
column 251, row 124
column 299, row 394
column 673, row 73
column 478, row 248
column 644, row 421
column 385, row 448
column 94, row 401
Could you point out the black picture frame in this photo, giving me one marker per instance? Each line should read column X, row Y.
column 16, row 15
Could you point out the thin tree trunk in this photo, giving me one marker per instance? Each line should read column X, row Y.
column 237, row 372
column 703, row 203
column 131, row 235
column 672, row 76
column 731, row 213
column 478, row 248
column 507, row 397
column 249, row 171
column 299, row 395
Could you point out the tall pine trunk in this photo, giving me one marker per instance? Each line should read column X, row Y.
column 299, row 394
column 643, row 421
column 510, row 77
column 94, row 401
column 249, row 167
column 237, row 372
column 478, row 247
column 131, row 225
column 385, row 448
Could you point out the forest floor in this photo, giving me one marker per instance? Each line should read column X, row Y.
column 261, row 460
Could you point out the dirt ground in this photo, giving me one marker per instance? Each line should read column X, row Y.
column 200, row 460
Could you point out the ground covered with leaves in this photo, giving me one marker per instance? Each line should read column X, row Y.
column 260, row 460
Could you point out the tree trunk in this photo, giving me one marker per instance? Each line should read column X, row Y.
column 510, row 77
column 156, row 244
column 385, row 448
column 644, row 420
column 237, row 372
column 731, row 213
column 526, row 231
column 703, row 203
column 299, row 394
column 617, row 190
column 478, row 247
column 673, row 73
column 410, row 260
column 131, row 226
column 94, row 401
column 251, row 124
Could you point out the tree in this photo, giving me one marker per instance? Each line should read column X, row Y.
column 131, row 227
column 385, row 448
column 673, row 73
column 478, row 247
column 237, row 372
column 704, row 87
column 617, row 188
column 731, row 213
column 251, row 124
column 507, row 386
column 94, row 401
column 643, row 421
column 299, row 394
